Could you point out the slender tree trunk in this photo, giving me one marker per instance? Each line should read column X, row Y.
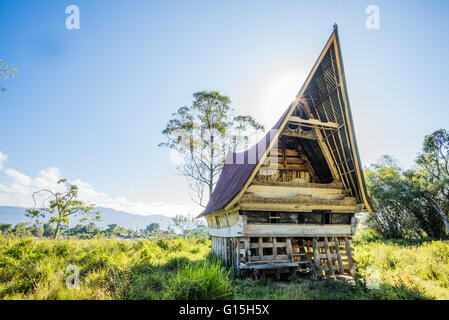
column 58, row 226
column 443, row 215
column 211, row 173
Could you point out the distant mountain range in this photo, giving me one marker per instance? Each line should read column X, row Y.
column 15, row 215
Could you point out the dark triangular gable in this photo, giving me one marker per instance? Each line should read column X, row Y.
column 324, row 97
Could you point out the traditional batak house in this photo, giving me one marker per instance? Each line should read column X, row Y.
column 287, row 204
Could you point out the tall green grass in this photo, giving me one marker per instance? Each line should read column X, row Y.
column 421, row 268
column 185, row 269
column 109, row 269
column 207, row 280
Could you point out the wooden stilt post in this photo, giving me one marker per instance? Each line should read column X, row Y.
column 316, row 255
column 275, row 252
column 349, row 255
column 337, row 248
column 247, row 250
column 289, row 249
column 328, row 257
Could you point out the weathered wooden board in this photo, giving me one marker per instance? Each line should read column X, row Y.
column 292, row 192
column 297, row 207
column 292, row 230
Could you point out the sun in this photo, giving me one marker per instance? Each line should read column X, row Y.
column 276, row 94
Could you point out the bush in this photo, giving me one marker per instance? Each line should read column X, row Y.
column 202, row 281
column 163, row 244
column 365, row 235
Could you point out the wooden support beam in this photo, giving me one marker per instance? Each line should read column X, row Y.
column 316, row 255
column 298, row 133
column 323, row 146
column 337, row 248
column 328, row 257
column 296, row 230
column 328, row 94
column 312, row 123
column 349, row 255
column 247, row 250
column 289, row 249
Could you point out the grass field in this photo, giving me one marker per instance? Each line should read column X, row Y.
column 184, row 269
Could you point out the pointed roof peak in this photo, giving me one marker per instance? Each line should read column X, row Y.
column 324, row 92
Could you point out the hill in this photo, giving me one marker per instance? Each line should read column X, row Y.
column 14, row 215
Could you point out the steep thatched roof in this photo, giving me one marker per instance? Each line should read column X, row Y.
column 324, row 97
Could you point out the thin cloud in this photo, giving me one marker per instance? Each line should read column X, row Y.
column 3, row 158
column 19, row 188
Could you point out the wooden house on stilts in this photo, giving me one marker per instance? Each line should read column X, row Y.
column 287, row 204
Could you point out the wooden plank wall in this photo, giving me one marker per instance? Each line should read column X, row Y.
column 227, row 249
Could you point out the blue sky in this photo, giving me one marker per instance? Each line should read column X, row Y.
column 90, row 103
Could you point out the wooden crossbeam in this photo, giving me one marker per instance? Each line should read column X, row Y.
column 313, row 123
column 299, row 133
column 327, row 95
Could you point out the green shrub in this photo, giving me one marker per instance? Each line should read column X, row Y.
column 201, row 281
column 163, row 244
column 176, row 263
column 365, row 235
column 147, row 286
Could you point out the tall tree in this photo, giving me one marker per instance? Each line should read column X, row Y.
column 111, row 229
column 61, row 206
column 6, row 72
column 433, row 172
column 184, row 223
column 402, row 206
column 153, row 227
column 390, row 195
column 203, row 133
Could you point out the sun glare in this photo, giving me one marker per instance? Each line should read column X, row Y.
column 276, row 95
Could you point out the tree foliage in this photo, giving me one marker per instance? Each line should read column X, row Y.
column 186, row 224
column 412, row 203
column 389, row 194
column 7, row 71
column 432, row 173
column 202, row 134
column 153, row 227
column 60, row 206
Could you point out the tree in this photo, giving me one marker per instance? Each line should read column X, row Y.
column 21, row 229
column 61, row 206
column 402, row 205
column 111, row 229
column 184, row 223
column 6, row 72
column 5, row 228
column 390, row 194
column 49, row 230
column 202, row 134
column 433, row 172
column 36, row 230
column 153, row 227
